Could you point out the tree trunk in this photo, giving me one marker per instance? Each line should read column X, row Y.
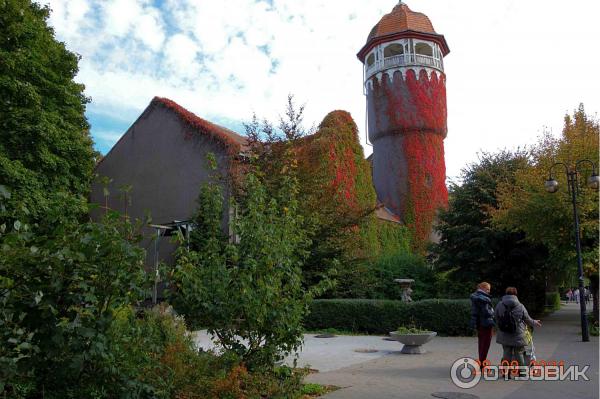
column 594, row 289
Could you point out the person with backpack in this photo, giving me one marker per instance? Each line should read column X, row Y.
column 511, row 317
column 482, row 318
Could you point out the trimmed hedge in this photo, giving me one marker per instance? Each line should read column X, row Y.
column 374, row 316
column 553, row 300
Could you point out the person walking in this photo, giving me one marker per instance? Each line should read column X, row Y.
column 511, row 317
column 576, row 295
column 587, row 295
column 569, row 295
column 482, row 319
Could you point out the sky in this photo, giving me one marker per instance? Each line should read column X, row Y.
column 515, row 67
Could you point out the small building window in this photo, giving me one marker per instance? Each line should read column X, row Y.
column 370, row 59
column 428, row 180
column 392, row 50
column 423, row 49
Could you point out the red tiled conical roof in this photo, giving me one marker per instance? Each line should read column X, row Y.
column 402, row 22
column 400, row 19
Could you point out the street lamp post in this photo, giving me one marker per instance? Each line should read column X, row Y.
column 572, row 182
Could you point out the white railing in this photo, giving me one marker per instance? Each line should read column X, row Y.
column 403, row 60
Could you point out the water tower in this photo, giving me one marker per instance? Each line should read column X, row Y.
column 405, row 86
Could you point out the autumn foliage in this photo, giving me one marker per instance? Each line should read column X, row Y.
column 337, row 196
column 547, row 219
column 412, row 114
column 341, row 200
column 231, row 141
column 405, row 103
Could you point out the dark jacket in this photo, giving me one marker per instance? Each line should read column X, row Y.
column 482, row 312
column 521, row 315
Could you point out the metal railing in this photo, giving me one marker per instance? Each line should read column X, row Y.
column 403, row 60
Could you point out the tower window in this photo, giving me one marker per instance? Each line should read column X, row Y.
column 423, row 49
column 428, row 180
column 370, row 59
column 392, row 50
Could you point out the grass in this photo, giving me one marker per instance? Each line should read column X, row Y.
column 312, row 390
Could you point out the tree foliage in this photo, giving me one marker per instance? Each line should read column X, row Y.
column 337, row 196
column 472, row 248
column 547, row 219
column 58, row 289
column 248, row 290
column 45, row 146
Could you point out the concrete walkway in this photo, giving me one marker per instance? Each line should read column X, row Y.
column 389, row 374
column 371, row 367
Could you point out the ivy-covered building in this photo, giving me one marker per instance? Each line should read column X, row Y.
column 159, row 164
column 157, row 167
column 405, row 89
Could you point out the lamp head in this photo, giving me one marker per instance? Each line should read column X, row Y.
column 551, row 185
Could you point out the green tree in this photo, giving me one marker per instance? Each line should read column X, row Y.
column 58, row 290
column 337, row 196
column 248, row 293
column 45, row 146
column 547, row 219
column 472, row 249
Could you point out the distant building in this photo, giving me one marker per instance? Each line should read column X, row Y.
column 163, row 157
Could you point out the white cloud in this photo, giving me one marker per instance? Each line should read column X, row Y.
column 180, row 53
column 515, row 66
column 148, row 28
column 119, row 16
column 70, row 14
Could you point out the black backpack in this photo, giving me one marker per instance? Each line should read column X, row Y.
column 508, row 321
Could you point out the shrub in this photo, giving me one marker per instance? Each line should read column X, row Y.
column 58, row 289
column 447, row 286
column 156, row 357
column 410, row 330
column 553, row 300
column 248, row 294
column 374, row 279
column 313, row 389
column 353, row 279
column 239, row 383
column 404, row 265
column 445, row 316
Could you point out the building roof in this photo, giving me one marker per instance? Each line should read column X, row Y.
column 402, row 22
column 400, row 19
column 230, row 139
column 383, row 213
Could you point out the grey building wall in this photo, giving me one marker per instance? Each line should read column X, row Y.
column 390, row 173
column 164, row 161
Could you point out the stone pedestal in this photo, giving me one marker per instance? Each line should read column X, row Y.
column 413, row 342
column 405, row 286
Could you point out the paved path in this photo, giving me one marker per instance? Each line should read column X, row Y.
column 389, row 374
